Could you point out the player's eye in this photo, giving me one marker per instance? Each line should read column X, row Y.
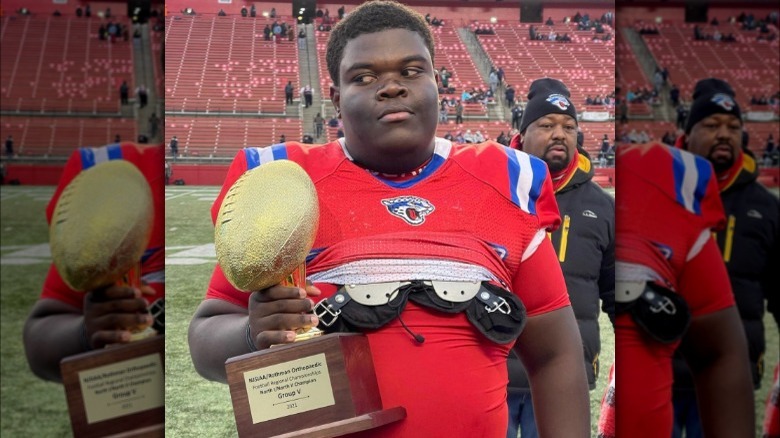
column 363, row 78
column 411, row 72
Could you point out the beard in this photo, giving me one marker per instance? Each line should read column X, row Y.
column 556, row 163
column 720, row 160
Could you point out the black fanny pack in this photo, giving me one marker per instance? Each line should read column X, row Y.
column 495, row 312
column 662, row 313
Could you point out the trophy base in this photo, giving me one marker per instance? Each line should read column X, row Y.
column 117, row 391
column 350, row 425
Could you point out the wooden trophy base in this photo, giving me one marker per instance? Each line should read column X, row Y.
column 118, row 391
column 322, row 387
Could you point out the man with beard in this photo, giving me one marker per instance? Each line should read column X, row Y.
column 399, row 205
column 585, row 243
column 749, row 243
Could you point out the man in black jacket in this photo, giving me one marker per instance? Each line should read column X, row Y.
column 585, row 242
column 749, row 243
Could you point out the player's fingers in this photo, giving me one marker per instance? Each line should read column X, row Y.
column 266, row 339
column 278, row 292
column 113, row 293
column 313, row 291
column 136, row 305
column 120, row 321
column 105, row 337
column 261, row 310
column 147, row 290
column 289, row 322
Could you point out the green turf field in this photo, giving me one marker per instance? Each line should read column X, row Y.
column 194, row 406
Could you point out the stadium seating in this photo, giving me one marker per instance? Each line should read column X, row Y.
column 58, row 136
column 211, row 137
column 223, row 64
column 57, row 64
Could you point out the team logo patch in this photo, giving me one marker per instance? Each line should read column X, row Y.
column 559, row 100
column 724, row 101
column 664, row 249
column 588, row 213
column 755, row 214
column 409, row 208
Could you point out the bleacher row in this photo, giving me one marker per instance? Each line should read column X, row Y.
column 58, row 136
column 56, row 64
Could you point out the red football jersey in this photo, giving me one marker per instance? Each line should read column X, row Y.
column 667, row 205
column 149, row 160
column 483, row 208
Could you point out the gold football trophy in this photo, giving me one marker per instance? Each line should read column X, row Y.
column 100, row 228
column 265, row 228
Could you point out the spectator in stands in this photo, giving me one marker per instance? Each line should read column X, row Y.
column 478, row 137
column 306, row 91
column 503, row 139
column 288, row 93
column 333, row 122
column 517, row 114
column 319, row 125
column 154, row 125
column 79, row 12
column 253, row 11
column 668, row 138
column 585, row 247
column 168, row 172
column 87, row 11
column 107, row 14
column 443, row 111
column 276, row 28
column 290, row 34
column 459, row 113
column 549, row 21
column 307, row 139
column 174, row 145
column 272, row 14
column 509, row 96
column 493, row 80
column 221, row 13
column 448, row 136
column 341, row 12
column 532, row 33
column 124, row 91
column 142, row 95
column 57, row 13
column 117, row 139
column 9, row 146
column 282, row 139
column 301, row 38
column 244, row 11
column 674, row 95
column 267, row 32
column 340, row 132
column 428, row 18
column 682, row 115
column 770, row 151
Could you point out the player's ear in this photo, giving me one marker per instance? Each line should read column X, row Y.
column 335, row 97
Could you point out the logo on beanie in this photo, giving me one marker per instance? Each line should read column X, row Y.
column 724, row 101
column 559, row 100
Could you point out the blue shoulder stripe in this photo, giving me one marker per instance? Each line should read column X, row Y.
column 692, row 174
column 256, row 156
column 526, row 178
column 93, row 156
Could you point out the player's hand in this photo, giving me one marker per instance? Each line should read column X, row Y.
column 275, row 313
column 112, row 314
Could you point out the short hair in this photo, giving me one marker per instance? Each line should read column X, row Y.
column 372, row 17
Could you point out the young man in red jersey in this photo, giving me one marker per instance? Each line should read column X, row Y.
column 65, row 322
column 671, row 289
column 398, row 204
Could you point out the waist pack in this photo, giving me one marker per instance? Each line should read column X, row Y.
column 495, row 312
column 662, row 313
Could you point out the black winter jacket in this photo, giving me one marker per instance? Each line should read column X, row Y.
column 585, row 243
